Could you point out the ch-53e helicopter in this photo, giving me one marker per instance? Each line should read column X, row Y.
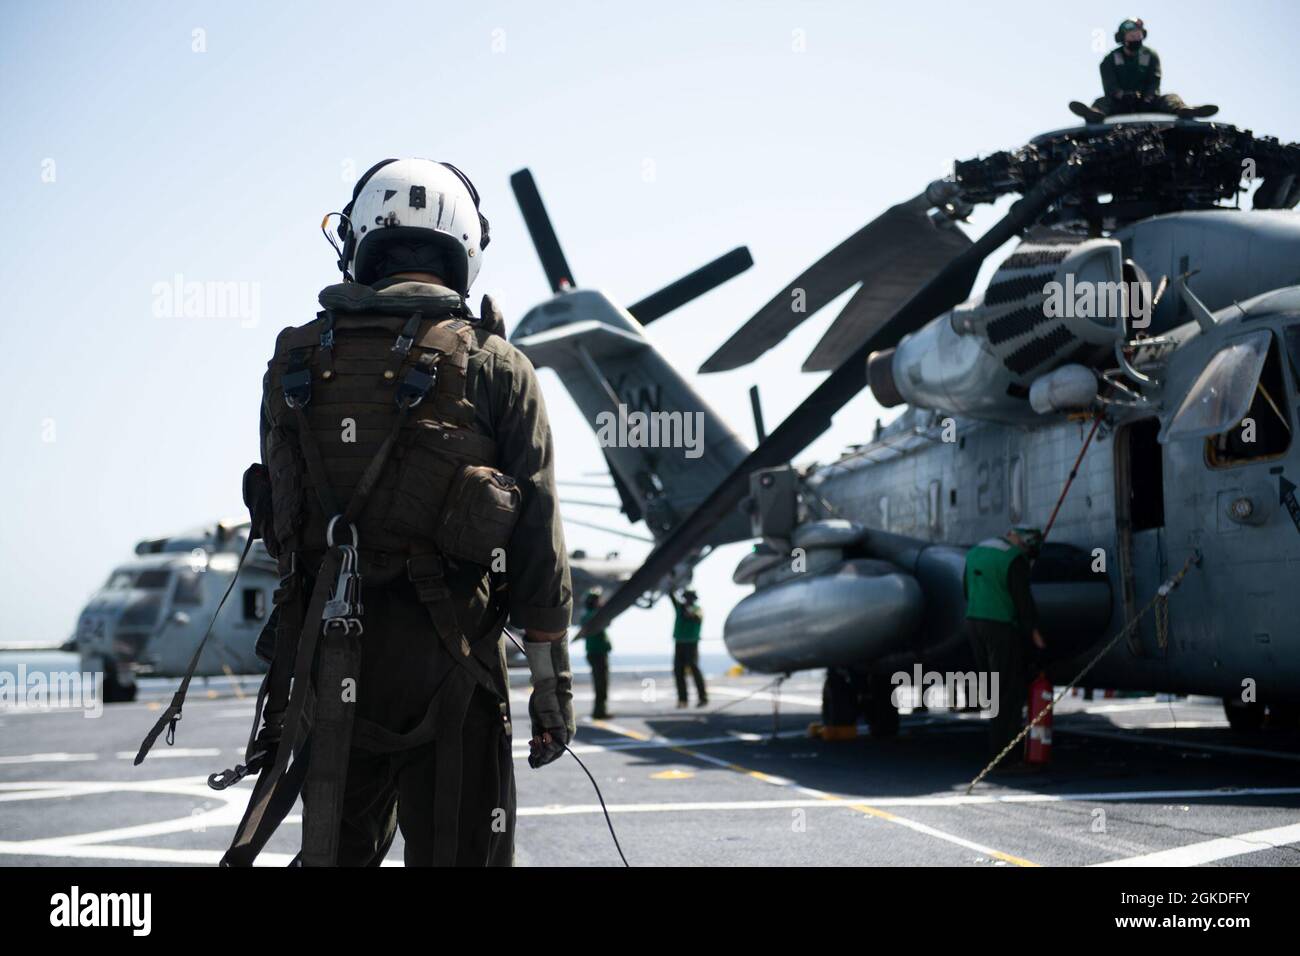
column 149, row 616
column 1189, row 402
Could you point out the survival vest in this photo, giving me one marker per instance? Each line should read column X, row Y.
column 988, row 597
column 369, row 420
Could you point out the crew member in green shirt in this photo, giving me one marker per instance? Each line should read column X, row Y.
column 1002, row 621
column 1130, row 82
column 598, row 648
column 686, row 646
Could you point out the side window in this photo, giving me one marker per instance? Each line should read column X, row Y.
column 187, row 589
column 1264, row 432
column 254, row 604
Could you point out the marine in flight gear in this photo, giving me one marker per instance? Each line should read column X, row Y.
column 1002, row 622
column 407, row 492
column 1130, row 81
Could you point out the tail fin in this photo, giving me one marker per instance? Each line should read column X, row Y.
column 666, row 448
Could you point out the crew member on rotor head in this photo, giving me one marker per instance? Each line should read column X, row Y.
column 1130, row 80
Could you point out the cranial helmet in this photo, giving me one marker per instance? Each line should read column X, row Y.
column 1031, row 537
column 416, row 203
column 1132, row 23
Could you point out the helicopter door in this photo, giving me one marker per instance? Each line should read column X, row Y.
column 1140, row 513
column 1230, row 445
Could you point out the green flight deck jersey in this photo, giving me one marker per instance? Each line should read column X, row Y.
column 1139, row 73
column 997, row 584
column 597, row 643
column 686, row 628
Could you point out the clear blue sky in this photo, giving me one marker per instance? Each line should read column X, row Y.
column 218, row 165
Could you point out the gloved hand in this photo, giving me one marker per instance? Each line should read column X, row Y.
column 550, row 708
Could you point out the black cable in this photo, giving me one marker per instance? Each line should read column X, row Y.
column 741, row 700
column 599, row 796
column 608, row 822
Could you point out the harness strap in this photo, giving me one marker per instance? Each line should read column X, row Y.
column 427, row 573
column 327, row 344
column 296, row 383
column 286, row 648
column 402, row 347
column 172, row 714
column 252, row 835
column 374, row 471
column 315, row 464
column 331, row 741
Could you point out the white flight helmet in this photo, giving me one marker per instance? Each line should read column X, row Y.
column 414, row 200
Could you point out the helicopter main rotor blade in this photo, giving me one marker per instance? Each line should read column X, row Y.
column 915, row 259
column 547, row 244
column 692, row 286
column 894, row 255
column 813, row 416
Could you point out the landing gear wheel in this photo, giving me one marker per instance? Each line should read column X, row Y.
column 116, row 692
column 839, row 700
column 882, row 715
column 1243, row 718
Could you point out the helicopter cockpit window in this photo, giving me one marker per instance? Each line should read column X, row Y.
column 188, row 589
column 1265, row 430
column 1222, row 394
column 153, row 580
column 1292, row 334
column 122, row 580
column 1238, row 404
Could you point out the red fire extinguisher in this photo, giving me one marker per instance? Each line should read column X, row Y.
column 1038, row 745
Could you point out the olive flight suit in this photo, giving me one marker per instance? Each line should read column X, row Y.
column 400, row 755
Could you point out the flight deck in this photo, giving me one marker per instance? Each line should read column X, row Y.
column 1132, row 781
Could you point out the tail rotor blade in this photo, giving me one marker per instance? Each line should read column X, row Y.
column 542, row 232
column 692, row 286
